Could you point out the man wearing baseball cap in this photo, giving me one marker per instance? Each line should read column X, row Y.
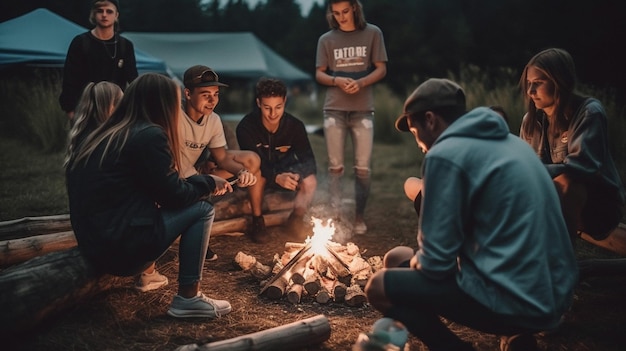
column 494, row 252
column 203, row 138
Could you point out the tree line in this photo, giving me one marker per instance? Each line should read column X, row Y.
column 424, row 38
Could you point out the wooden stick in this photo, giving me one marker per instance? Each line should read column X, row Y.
column 287, row 267
column 298, row 335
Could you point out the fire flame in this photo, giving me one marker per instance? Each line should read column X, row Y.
column 323, row 232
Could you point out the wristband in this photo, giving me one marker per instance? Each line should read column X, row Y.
column 243, row 170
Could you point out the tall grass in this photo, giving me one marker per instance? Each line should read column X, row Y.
column 30, row 109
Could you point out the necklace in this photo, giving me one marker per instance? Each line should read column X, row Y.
column 114, row 43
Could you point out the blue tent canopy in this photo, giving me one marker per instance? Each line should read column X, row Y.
column 41, row 38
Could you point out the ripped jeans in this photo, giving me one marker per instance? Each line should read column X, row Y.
column 360, row 125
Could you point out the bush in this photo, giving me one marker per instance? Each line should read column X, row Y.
column 30, row 108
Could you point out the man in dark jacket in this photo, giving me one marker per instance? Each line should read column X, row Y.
column 287, row 160
column 100, row 54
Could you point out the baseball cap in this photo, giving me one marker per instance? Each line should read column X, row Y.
column 114, row 2
column 201, row 76
column 432, row 94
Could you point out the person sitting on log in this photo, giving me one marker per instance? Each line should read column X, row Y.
column 95, row 106
column 203, row 142
column 569, row 133
column 287, row 159
column 128, row 203
column 493, row 249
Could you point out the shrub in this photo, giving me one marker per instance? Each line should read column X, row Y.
column 30, row 108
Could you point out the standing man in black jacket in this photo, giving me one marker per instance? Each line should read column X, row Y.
column 287, row 159
column 100, row 54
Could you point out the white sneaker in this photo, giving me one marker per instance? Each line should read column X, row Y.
column 198, row 306
column 146, row 282
column 359, row 227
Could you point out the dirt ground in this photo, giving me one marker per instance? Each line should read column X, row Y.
column 124, row 319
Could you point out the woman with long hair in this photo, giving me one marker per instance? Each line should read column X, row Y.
column 351, row 57
column 128, row 203
column 569, row 132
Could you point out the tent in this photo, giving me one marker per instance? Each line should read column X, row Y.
column 233, row 55
column 41, row 38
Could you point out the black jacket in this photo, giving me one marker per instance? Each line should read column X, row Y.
column 287, row 150
column 115, row 209
column 90, row 60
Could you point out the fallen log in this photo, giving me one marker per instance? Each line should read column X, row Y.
column 616, row 241
column 19, row 250
column 27, row 299
column 293, row 336
column 232, row 205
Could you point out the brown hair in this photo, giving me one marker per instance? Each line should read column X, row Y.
column 359, row 17
column 269, row 87
column 558, row 66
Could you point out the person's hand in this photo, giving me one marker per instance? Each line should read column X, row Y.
column 221, row 186
column 288, row 180
column 415, row 264
column 350, row 86
column 245, row 178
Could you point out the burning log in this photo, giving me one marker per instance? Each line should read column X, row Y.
column 312, row 283
column 298, row 270
column 355, row 296
column 276, row 289
column 294, row 293
column 287, row 267
column 339, row 291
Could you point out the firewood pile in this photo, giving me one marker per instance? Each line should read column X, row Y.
column 317, row 270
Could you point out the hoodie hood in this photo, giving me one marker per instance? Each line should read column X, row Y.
column 479, row 123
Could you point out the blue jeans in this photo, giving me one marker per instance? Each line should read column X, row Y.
column 360, row 125
column 193, row 224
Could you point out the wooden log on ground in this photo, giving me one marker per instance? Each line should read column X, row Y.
column 616, row 241
column 229, row 206
column 27, row 226
column 277, row 288
column 355, row 296
column 294, row 293
column 293, row 336
column 602, row 267
column 14, row 251
column 45, row 285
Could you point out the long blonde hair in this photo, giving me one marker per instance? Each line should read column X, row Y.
column 152, row 98
column 95, row 106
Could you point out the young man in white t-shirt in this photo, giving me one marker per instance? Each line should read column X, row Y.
column 202, row 134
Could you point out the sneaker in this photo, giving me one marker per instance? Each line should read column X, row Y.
column 359, row 227
column 146, row 282
column 258, row 233
column 519, row 342
column 210, row 255
column 198, row 306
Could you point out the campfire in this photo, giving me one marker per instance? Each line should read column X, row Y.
column 318, row 269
